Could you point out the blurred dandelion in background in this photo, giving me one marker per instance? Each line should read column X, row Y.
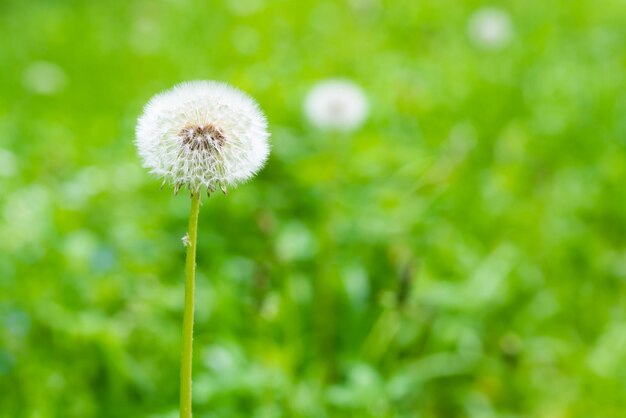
column 490, row 28
column 336, row 105
column 45, row 78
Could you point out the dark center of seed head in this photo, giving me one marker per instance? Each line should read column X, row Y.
column 202, row 137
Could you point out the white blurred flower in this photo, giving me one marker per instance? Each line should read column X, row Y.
column 42, row 77
column 202, row 134
column 336, row 105
column 490, row 28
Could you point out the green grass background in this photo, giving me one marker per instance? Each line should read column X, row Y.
column 460, row 255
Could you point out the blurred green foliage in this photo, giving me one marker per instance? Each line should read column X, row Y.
column 460, row 255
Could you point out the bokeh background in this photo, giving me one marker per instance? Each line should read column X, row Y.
column 460, row 254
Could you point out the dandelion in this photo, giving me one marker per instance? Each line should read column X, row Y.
column 45, row 78
column 490, row 28
column 337, row 104
column 200, row 135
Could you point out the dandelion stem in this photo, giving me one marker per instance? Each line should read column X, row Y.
column 190, row 274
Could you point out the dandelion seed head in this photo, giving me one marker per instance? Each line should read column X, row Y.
column 490, row 28
column 336, row 105
column 202, row 134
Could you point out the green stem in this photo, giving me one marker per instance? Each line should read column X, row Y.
column 190, row 276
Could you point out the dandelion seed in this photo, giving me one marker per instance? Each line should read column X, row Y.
column 490, row 28
column 202, row 134
column 336, row 105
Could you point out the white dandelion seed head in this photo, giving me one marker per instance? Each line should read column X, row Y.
column 490, row 28
column 336, row 105
column 202, row 134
